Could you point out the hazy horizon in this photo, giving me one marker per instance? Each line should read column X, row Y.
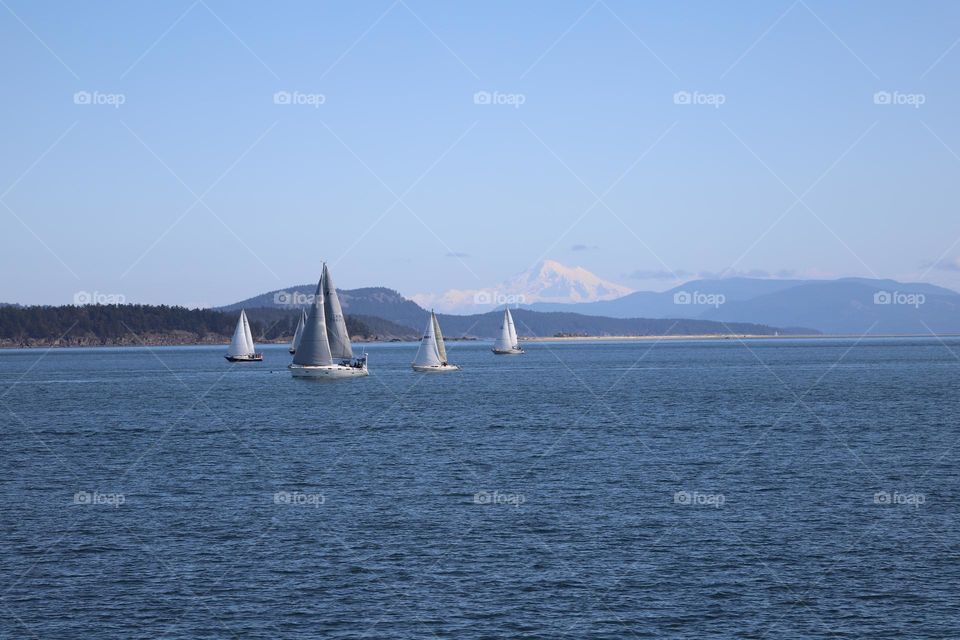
column 196, row 153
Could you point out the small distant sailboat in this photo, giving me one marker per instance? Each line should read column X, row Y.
column 507, row 343
column 299, row 331
column 432, row 355
column 241, row 346
column 324, row 349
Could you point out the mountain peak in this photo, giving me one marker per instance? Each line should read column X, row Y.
column 546, row 281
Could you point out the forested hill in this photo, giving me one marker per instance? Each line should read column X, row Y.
column 133, row 324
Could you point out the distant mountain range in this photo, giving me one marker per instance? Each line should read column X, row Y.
column 392, row 307
column 844, row 306
column 547, row 281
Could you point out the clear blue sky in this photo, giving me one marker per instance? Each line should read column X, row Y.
column 98, row 198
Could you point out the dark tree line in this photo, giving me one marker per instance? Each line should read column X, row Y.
column 115, row 322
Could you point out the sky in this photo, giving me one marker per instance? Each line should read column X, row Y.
column 200, row 152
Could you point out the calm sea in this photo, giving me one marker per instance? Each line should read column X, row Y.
column 765, row 489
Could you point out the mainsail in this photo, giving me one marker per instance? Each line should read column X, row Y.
column 299, row 332
column 504, row 341
column 336, row 326
column 438, row 336
column 514, row 340
column 247, row 334
column 238, row 344
column 314, row 349
column 428, row 354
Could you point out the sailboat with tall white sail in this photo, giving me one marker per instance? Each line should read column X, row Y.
column 324, row 350
column 432, row 355
column 241, row 347
column 507, row 344
column 299, row 331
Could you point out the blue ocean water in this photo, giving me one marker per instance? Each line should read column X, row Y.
column 680, row 489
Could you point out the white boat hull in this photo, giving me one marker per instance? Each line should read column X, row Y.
column 507, row 352
column 443, row 368
column 328, row 372
column 257, row 357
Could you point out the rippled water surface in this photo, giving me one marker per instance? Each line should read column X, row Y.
column 765, row 489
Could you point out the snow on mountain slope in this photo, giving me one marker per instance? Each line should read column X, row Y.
column 547, row 281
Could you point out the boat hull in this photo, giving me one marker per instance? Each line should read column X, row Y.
column 327, row 372
column 443, row 368
column 257, row 357
column 507, row 352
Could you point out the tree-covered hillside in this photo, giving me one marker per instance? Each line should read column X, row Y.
column 148, row 324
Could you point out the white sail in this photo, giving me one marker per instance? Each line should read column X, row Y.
column 504, row 340
column 248, row 335
column 238, row 344
column 314, row 349
column 438, row 336
column 428, row 355
column 299, row 331
column 514, row 340
column 337, row 334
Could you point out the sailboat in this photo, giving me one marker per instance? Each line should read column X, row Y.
column 324, row 349
column 299, row 331
column 432, row 355
column 507, row 343
column 241, row 346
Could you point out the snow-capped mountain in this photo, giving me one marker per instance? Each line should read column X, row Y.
column 548, row 281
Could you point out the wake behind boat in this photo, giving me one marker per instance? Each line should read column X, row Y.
column 324, row 349
column 507, row 344
column 432, row 355
column 241, row 347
